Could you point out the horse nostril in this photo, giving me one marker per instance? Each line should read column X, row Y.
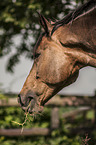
column 19, row 98
column 20, row 101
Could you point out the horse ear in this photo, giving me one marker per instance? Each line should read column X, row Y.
column 45, row 24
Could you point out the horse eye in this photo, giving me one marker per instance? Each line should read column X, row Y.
column 36, row 55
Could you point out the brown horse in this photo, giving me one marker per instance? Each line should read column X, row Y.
column 61, row 51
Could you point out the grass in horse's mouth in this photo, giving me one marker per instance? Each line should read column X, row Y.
column 26, row 117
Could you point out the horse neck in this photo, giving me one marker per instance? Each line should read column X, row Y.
column 80, row 36
column 84, row 27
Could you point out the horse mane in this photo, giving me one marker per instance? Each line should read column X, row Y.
column 85, row 8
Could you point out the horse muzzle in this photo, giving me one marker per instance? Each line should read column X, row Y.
column 29, row 104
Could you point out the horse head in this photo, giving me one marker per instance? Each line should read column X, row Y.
column 53, row 69
column 58, row 57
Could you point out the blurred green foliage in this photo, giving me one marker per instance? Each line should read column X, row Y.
column 19, row 24
column 61, row 136
column 58, row 137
